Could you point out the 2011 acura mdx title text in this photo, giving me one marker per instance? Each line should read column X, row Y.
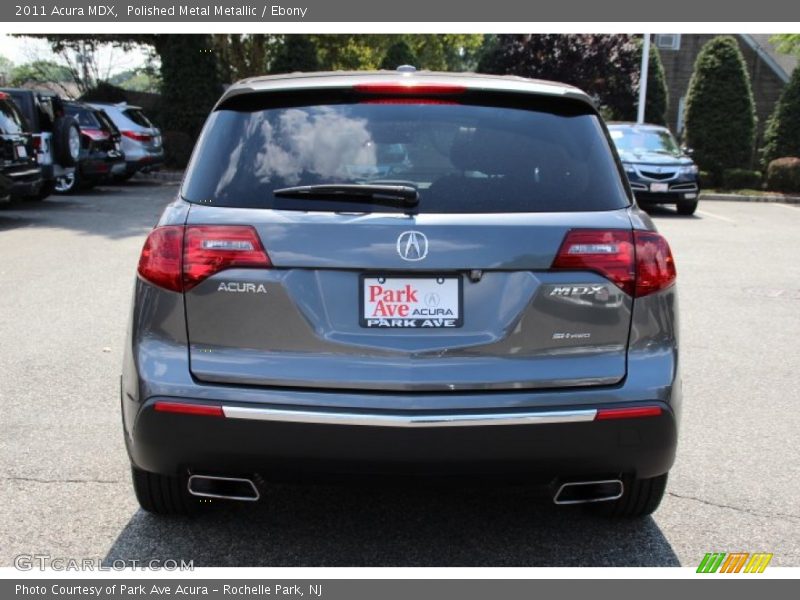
column 403, row 273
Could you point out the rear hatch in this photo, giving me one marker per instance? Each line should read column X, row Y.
column 145, row 132
column 472, row 287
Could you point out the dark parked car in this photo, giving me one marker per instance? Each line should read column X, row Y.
column 101, row 156
column 20, row 174
column 394, row 274
column 659, row 170
column 56, row 138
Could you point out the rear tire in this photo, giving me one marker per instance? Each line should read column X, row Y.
column 161, row 494
column 686, row 207
column 67, row 184
column 640, row 498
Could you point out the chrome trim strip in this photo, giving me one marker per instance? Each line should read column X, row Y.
column 221, row 496
column 322, row 417
column 581, row 483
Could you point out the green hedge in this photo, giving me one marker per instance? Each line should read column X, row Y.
column 738, row 179
column 783, row 175
column 782, row 137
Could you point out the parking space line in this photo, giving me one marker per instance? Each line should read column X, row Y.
column 713, row 216
column 793, row 207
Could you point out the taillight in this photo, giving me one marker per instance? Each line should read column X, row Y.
column 135, row 135
column 177, row 258
column 209, row 249
column 95, row 134
column 638, row 262
column 607, row 252
column 160, row 261
column 655, row 268
column 37, row 142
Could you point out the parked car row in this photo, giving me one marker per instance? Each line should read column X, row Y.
column 54, row 145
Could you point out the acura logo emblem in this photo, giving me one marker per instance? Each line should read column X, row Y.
column 412, row 245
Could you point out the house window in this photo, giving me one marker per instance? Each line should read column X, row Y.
column 668, row 41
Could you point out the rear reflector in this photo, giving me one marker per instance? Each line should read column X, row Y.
column 177, row 258
column 409, row 89
column 37, row 142
column 638, row 262
column 185, row 408
column 606, row 414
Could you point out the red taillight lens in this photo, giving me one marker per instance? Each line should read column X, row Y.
column 209, row 249
column 606, row 414
column 655, row 268
column 95, row 134
column 139, row 137
column 37, row 142
column 160, row 262
column 409, row 89
column 177, row 258
column 639, row 262
column 607, row 252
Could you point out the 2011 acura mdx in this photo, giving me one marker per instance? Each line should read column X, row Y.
column 403, row 274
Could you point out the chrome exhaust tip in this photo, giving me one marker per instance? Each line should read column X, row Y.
column 583, row 492
column 226, row 488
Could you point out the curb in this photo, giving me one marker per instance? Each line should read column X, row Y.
column 741, row 198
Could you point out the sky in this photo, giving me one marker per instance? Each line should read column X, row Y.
column 21, row 50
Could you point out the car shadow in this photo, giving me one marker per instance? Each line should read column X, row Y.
column 331, row 525
column 114, row 212
column 658, row 211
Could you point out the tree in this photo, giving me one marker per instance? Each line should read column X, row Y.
column 190, row 81
column 398, row 54
column 788, row 43
column 604, row 66
column 782, row 136
column 40, row 71
column 297, row 53
column 720, row 112
column 6, row 66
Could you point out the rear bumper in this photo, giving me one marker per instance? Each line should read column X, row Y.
column 279, row 443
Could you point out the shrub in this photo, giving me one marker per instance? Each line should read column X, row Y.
column 177, row 148
column 783, row 175
column 782, row 137
column 720, row 112
column 737, row 179
column 707, row 180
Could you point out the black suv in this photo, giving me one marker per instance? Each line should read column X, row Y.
column 659, row 170
column 20, row 174
column 100, row 154
column 56, row 137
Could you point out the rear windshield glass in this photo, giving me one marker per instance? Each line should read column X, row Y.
column 461, row 158
column 86, row 118
column 137, row 116
column 10, row 118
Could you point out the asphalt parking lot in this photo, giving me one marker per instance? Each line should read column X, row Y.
column 66, row 274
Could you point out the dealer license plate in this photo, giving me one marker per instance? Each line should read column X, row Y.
column 411, row 302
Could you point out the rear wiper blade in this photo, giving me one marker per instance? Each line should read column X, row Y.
column 403, row 195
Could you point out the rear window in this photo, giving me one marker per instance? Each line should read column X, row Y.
column 11, row 121
column 462, row 158
column 137, row 116
column 86, row 118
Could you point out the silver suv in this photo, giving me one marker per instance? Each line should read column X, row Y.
column 403, row 274
column 141, row 140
